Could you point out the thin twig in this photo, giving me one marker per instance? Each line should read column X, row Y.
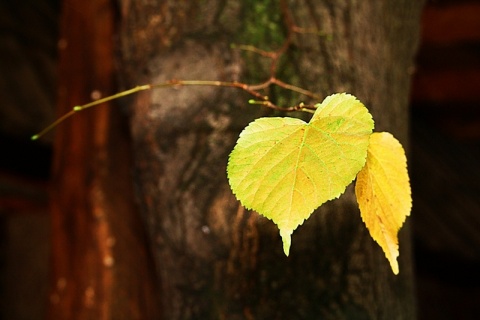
column 252, row 89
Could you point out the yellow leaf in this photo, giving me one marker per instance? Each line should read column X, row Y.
column 284, row 168
column 383, row 193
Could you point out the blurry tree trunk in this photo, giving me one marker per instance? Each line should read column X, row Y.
column 214, row 259
column 100, row 261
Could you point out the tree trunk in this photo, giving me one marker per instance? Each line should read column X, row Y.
column 100, row 261
column 214, row 259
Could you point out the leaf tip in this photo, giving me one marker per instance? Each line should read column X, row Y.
column 287, row 240
column 394, row 264
column 392, row 253
column 395, row 268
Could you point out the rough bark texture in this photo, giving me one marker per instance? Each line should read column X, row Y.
column 100, row 261
column 214, row 259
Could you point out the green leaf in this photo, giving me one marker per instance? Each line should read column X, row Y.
column 383, row 193
column 284, row 168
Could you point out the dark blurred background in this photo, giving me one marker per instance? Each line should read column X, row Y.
column 28, row 65
column 444, row 157
column 445, row 161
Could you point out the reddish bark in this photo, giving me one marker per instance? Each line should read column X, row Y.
column 101, row 268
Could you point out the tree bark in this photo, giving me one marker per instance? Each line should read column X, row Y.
column 214, row 259
column 101, row 267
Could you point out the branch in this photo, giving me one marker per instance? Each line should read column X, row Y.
column 252, row 89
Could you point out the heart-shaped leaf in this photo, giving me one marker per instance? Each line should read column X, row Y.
column 383, row 193
column 284, row 168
